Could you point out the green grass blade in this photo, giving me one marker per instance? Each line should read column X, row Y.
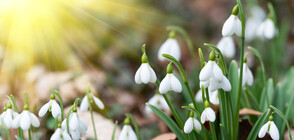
column 114, row 129
column 168, row 121
column 255, row 130
column 135, row 123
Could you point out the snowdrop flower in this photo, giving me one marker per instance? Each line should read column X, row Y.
column 213, row 97
column 251, row 28
column 232, row 24
column 8, row 116
column 266, row 29
column 85, row 104
column 145, row 73
column 191, row 123
column 227, row 46
column 158, row 101
column 127, row 133
column 26, row 119
column 208, row 113
column 171, row 47
column 271, row 128
column 247, row 74
column 170, row 82
column 77, row 125
column 60, row 134
column 52, row 106
column 211, row 76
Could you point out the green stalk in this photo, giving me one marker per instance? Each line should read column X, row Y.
column 174, row 112
column 11, row 97
column 212, row 130
column 55, row 92
column 92, row 118
column 30, row 135
column 242, row 17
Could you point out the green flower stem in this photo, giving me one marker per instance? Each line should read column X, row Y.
column 174, row 112
column 236, row 123
column 56, row 94
column 212, row 129
column 184, row 77
column 91, row 110
column 12, row 99
column 188, row 41
column 93, row 123
column 30, row 135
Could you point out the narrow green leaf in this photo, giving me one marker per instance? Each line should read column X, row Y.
column 284, row 118
column 135, row 123
column 224, row 133
column 168, row 121
column 233, row 78
column 255, row 130
column 114, row 129
column 201, row 57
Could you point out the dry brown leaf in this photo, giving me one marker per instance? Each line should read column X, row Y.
column 166, row 136
column 246, row 111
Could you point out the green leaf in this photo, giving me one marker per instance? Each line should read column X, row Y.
column 284, row 118
column 258, row 55
column 201, row 57
column 168, row 121
column 114, row 129
column 135, row 123
column 224, row 133
column 233, row 78
column 255, row 130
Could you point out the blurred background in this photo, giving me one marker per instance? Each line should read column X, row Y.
column 65, row 45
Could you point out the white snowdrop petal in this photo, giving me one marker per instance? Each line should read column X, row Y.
column 225, row 84
column 198, row 96
column 56, row 134
column 56, row 110
column 34, row 120
column 213, row 84
column 228, row 27
column 25, row 121
column 274, row 132
column 188, row 127
column 203, row 116
column 75, row 134
column 175, row 50
column 175, row 84
column 163, row 103
column 249, row 77
column 197, row 124
column 165, row 84
column 210, row 114
column 205, row 84
column 66, row 136
column 84, row 105
column 163, row 50
column 238, row 27
column 83, row 123
column 74, row 122
column 214, row 97
column 7, row 118
column 263, row 130
column 206, row 71
column 269, row 29
column 145, row 73
column 16, row 122
column 123, row 133
column 44, row 109
column 137, row 76
column 98, row 102
column 227, row 47
column 217, row 72
column 63, row 124
column 153, row 75
column 132, row 135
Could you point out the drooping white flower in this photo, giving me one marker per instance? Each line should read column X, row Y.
column 251, row 27
column 85, row 104
column 211, row 76
column 127, row 133
column 170, row 82
column 171, row 47
column 271, row 128
column 77, row 125
column 208, row 113
column 227, row 47
column 232, row 24
column 266, row 29
column 60, row 134
column 52, row 106
column 213, row 97
column 247, row 78
column 158, row 101
column 257, row 12
column 145, row 73
column 25, row 119
column 191, row 123
column 8, row 116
